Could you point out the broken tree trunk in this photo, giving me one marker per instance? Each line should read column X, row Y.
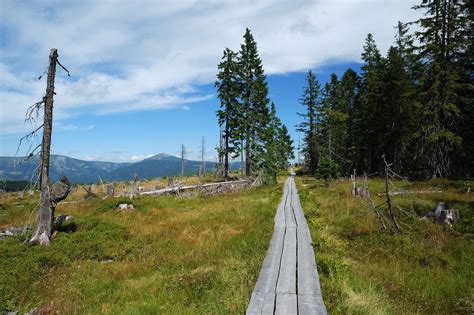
column 181, row 188
column 44, row 230
column 89, row 193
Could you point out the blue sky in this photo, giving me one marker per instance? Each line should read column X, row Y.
column 142, row 72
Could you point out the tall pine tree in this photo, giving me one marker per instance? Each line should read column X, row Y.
column 228, row 91
column 441, row 42
column 254, row 99
column 311, row 101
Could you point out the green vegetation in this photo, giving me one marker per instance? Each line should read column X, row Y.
column 249, row 123
column 414, row 105
column 363, row 269
column 173, row 255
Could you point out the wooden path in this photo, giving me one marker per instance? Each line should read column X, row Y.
column 288, row 282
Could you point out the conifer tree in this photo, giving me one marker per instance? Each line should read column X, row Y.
column 228, row 90
column 348, row 97
column 285, row 145
column 441, row 41
column 311, row 101
column 254, row 98
column 369, row 115
column 398, row 102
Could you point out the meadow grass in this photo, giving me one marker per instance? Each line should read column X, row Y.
column 170, row 255
column 426, row 269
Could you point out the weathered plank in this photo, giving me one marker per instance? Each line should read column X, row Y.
column 286, row 303
column 311, row 305
column 287, row 277
column 288, row 282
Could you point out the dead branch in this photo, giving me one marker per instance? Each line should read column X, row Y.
column 387, row 191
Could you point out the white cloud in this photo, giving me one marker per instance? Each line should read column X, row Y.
column 144, row 55
column 71, row 127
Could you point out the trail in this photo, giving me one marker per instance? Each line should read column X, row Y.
column 288, row 282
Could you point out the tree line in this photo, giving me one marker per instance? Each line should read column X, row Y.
column 414, row 105
column 248, row 120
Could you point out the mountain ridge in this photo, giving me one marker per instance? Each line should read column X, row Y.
column 82, row 171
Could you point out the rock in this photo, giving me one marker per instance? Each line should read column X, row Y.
column 62, row 218
column 443, row 214
column 440, row 206
column 124, row 206
column 448, row 217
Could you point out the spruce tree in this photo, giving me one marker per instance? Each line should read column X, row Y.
column 369, row 115
column 442, row 41
column 228, row 91
column 254, row 98
column 398, row 102
column 347, row 100
column 311, row 101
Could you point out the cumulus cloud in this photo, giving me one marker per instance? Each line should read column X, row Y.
column 145, row 55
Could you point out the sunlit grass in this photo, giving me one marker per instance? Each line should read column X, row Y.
column 426, row 269
column 169, row 255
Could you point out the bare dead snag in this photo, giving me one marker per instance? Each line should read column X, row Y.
column 372, row 205
column 44, row 229
column 387, row 192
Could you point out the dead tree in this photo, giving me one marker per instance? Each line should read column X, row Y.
column 89, row 193
column 202, row 168
column 388, row 174
column 44, row 230
column 183, row 159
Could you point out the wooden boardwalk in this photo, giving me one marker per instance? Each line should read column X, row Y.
column 288, row 282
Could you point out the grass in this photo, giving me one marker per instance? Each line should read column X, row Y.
column 427, row 269
column 169, row 255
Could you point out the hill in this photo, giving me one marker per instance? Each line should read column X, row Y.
column 157, row 166
column 80, row 171
column 15, row 168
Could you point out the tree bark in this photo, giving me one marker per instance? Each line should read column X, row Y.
column 226, row 150
column 44, row 230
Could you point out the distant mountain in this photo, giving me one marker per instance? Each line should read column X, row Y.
column 157, row 166
column 78, row 171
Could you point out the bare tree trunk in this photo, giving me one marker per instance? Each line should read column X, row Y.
column 387, row 192
column 183, row 161
column 226, row 153
column 247, row 157
column 44, row 230
column 202, row 170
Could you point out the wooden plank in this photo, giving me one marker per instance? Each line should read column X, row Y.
column 308, row 279
column 261, row 303
column 267, row 279
column 289, row 266
column 286, row 304
column 287, row 278
column 311, row 305
column 280, row 214
column 289, row 214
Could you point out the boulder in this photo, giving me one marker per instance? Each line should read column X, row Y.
column 124, row 206
column 62, row 218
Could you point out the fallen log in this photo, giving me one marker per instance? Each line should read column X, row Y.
column 394, row 193
column 180, row 188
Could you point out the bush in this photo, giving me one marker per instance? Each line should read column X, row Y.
column 328, row 169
